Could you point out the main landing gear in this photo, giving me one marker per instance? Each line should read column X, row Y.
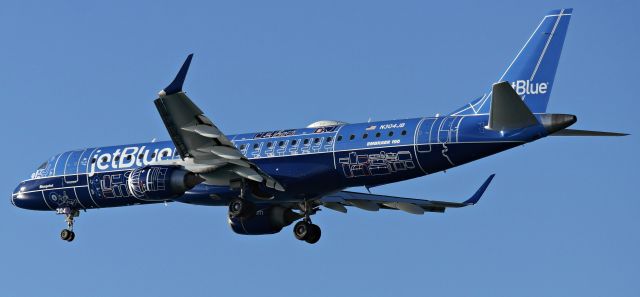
column 305, row 230
column 240, row 207
column 69, row 214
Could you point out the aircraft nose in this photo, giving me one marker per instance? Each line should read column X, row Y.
column 23, row 197
column 15, row 193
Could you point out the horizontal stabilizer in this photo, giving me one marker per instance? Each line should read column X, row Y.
column 508, row 111
column 573, row 132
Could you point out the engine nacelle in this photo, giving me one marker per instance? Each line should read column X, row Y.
column 159, row 183
column 266, row 220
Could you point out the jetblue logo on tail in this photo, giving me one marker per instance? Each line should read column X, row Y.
column 526, row 87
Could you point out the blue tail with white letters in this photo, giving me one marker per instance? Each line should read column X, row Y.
column 532, row 71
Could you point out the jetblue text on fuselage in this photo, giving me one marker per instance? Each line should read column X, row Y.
column 129, row 157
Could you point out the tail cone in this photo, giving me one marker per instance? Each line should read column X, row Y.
column 556, row 122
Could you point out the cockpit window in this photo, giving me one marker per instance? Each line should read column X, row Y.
column 42, row 166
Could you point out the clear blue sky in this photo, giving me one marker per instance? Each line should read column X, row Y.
column 560, row 219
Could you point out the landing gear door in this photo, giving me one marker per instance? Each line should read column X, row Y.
column 71, row 167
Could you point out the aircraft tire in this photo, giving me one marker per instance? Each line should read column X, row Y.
column 240, row 208
column 66, row 235
column 314, row 234
column 301, row 230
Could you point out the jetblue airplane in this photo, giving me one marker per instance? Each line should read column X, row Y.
column 271, row 179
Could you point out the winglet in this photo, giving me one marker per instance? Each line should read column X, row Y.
column 474, row 199
column 176, row 85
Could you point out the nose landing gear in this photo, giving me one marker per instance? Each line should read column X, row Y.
column 68, row 234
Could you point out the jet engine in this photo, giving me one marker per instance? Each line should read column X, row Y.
column 266, row 220
column 159, row 183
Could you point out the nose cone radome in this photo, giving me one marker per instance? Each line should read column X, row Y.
column 32, row 200
column 13, row 195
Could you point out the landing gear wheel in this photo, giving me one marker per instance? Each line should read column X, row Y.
column 69, row 214
column 240, row 208
column 67, row 235
column 304, row 229
column 307, row 231
column 314, row 234
column 301, row 230
column 73, row 236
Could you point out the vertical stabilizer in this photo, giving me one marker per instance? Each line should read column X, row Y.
column 532, row 71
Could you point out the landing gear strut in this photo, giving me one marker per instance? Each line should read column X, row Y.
column 305, row 230
column 69, row 214
column 240, row 207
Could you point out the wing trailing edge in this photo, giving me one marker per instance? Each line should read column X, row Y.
column 372, row 202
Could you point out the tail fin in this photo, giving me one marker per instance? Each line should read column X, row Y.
column 533, row 70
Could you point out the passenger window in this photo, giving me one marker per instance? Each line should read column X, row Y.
column 316, row 140
column 378, row 134
column 365, row 135
column 339, row 137
column 117, row 158
column 390, row 133
column 329, row 139
column 255, row 145
column 93, row 160
column 352, row 137
column 128, row 158
column 404, row 132
column 242, row 146
column 306, row 141
column 294, row 142
column 269, row 144
column 153, row 155
column 140, row 156
column 104, row 159
column 281, row 143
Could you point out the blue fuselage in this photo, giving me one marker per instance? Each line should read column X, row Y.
column 308, row 162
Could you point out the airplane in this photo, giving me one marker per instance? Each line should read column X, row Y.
column 271, row 179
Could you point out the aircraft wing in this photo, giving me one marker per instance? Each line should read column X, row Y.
column 204, row 149
column 373, row 202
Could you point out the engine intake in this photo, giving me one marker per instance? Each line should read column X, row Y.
column 158, row 183
column 266, row 220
